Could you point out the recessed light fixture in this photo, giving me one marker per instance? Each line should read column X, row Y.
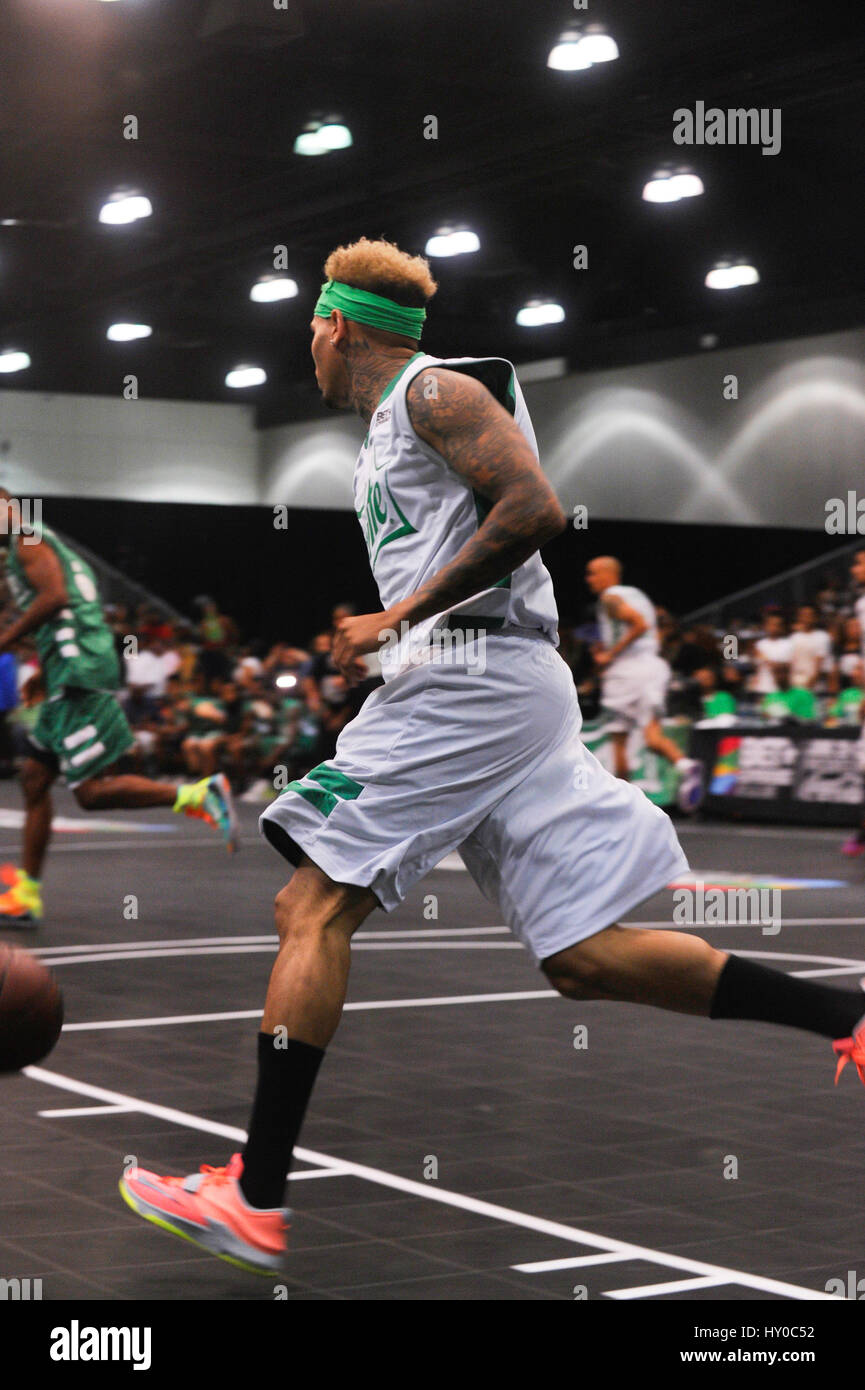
column 127, row 332
column 269, row 288
column 452, row 241
column 669, row 187
column 13, row 361
column 124, row 207
column 245, row 375
column 728, row 276
column 540, row 312
column 577, row 50
column 321, row 137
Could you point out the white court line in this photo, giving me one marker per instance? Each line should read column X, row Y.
column 706, row 1281
column 433, row 945
column 839, row 967
column 435, row 1001
column 87, row 1110
column 156, row 944
column 570, row 1262
column 152, row 946
column 318, row 1173
column 431, row 1193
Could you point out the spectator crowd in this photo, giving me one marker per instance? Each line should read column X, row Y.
column 199, row 698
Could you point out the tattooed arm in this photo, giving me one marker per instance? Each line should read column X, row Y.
column 479, row 439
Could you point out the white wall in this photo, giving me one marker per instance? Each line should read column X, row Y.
column 311, row 464
column 98, row 446
column 658, row 442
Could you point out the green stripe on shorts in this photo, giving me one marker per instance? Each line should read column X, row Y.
column 333, row 787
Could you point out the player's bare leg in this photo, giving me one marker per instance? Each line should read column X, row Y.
column 621, row 767
column 658, row 742
column 668, row 969
column 683, row 973
column 315, row 920
column 36, row 782
column 129, row 791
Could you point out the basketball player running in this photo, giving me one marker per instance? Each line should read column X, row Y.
column 634, row 678
column 855, row 844
column 480, row 755
column 81, row 730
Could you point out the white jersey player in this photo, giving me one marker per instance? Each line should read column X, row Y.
column 634, row 677
column 452, row 753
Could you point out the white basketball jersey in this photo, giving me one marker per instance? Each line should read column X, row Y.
column 417, row 514
column 612, row 629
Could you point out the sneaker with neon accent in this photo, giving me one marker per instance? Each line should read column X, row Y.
column 21, row 903
column 209, row 1209
column 210, row 800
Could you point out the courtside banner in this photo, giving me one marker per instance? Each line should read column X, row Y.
column 781, row 773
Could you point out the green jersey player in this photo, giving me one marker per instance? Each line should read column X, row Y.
column 82, row 730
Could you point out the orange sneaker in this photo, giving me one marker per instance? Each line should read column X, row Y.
column 851, row 1050
column 209, row 1209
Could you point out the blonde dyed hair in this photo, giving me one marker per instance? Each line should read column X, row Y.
column 380, row 267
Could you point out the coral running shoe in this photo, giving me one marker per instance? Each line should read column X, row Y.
column 852, row 1049
column 209, row 1209
column 21, row 902
column 210, row 800
column 854, row 846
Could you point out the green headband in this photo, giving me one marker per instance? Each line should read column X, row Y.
column 374, row 309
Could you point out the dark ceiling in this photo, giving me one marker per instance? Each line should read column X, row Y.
column 535, row 161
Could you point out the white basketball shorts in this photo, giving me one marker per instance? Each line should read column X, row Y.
column 633, row 693
column 447, row 757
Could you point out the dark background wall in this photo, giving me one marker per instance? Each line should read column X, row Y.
column 282, row 584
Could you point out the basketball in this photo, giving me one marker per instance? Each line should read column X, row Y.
column 31, row 1009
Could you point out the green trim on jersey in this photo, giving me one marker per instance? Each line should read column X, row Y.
column 373, row 517
column 390, row 386
column 75, row 645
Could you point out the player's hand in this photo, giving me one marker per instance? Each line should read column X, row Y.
column 353, row 638
column 602, row 658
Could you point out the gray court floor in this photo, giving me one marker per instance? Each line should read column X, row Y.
column 473, row 1136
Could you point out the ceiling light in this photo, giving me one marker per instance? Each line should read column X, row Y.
column 320, row 137
column 122, row 208
column 725, row 276
column 334, row 135
column 245, row 375
column 668, row 187
column 568, row 54
column 576, row 51
column 13, row 361
column 450, row 241
column 598, row 47
column 269, row 288
column 539, row 312
column 126, row 332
